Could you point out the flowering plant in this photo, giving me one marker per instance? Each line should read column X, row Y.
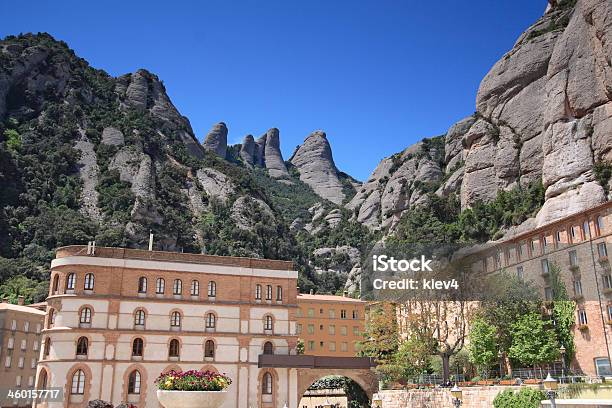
column 192, row 380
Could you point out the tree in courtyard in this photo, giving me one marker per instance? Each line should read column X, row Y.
column 483, row 345
column 534, row 340
column 381, row 339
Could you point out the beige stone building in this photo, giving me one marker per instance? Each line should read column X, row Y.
column 117, row 318
column 20, row 337
column 330, row 325
column 579, row 246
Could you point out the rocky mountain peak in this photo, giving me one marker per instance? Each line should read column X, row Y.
column 265, row 152
column 216, row 139
column 316, row 165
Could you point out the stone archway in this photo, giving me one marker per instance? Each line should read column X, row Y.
column 366, row 378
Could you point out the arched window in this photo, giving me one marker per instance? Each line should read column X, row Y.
column 209, row 349
column 175, row 319
column 212, row 289
column 258, row 291
column 47, row 347
column 52, row 315
column 268, row 323
column 70, row 281
column 85, row 317
column 211, row 321
column 134, row 382
column 137, row 347
column 269, row 292
column 88, row 284
column 177, row 288
column 78, row 383
column 266, row 385
column 139, row 318
column 160, row 286
column 195, row 288
column 142, row 285
column 174, row 348
column 42, row 381
column 82, row 346
column 600, row 224
column 268, row 348
column 55, row 284
column 279, row 293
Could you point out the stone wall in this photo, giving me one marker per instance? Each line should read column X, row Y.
column 473, row 397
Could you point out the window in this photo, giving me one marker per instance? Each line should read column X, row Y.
column 52, row 316
column 354, row 314
column 82, row 346
column 85, row 316
column 33, row 363
column 70, row 281
column 7, row 361
column 602, row 367
column 47, row 347
column 558, row 236
column 24, row 344
column 311, row 345
column 134, row 382
column 332, row 346
column 55, row 284
column 43, row 379
column 355, row 330
column 332, row 329
column 548, row 295
column 20, row 362
column 268, row 323
column 175, row 319
column 78, row 383
column 332, row 313
column 582, row 317
column 142, row 285
column 258, row 292
column 26, row 326
column 38, row 328
column 14, row 325
column 31, row 381
column 610, row 313
column 519, row 272
column 343, row 314
column 209, row 349
column 545, row 267
column 160, row 286
column 602, row 250
column 18, row 381
column 137, row 347
column 88, row 284
column 211, row 321
column 266, row 386
column 573, row 258
column 586, row 229
column 269, row 292
column 607, row 281
column 545, row 241
column 344, row 346
column 195, row 288
column 343, row 330
column 600, row 224
column 177, row 288
column 310, row 312
column 11, row 343
column 35, row 346
column 311, row 329
column 577, row 288
column 519, row 250
column 174, row 348
column 299, row 329
column 139, row 318
column 279, row 293
column 212, row 290
column 268, row 348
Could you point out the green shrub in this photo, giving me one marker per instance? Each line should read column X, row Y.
column 525, row 398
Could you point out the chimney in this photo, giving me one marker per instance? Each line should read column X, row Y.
column 311, row 292
column 20, row 300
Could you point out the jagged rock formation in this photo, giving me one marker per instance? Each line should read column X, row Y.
column 314, row 161
column 216, row 140
column 266, row 153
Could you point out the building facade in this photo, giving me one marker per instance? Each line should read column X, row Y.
column 20, row 337
column 330, row 325
column 578, row 245
column 117, row 318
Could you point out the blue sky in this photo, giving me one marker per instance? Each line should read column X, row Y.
column 376, row 75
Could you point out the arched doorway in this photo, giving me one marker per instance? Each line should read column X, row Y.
column 337, row 391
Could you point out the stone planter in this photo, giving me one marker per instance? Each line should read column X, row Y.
column 191, row 399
